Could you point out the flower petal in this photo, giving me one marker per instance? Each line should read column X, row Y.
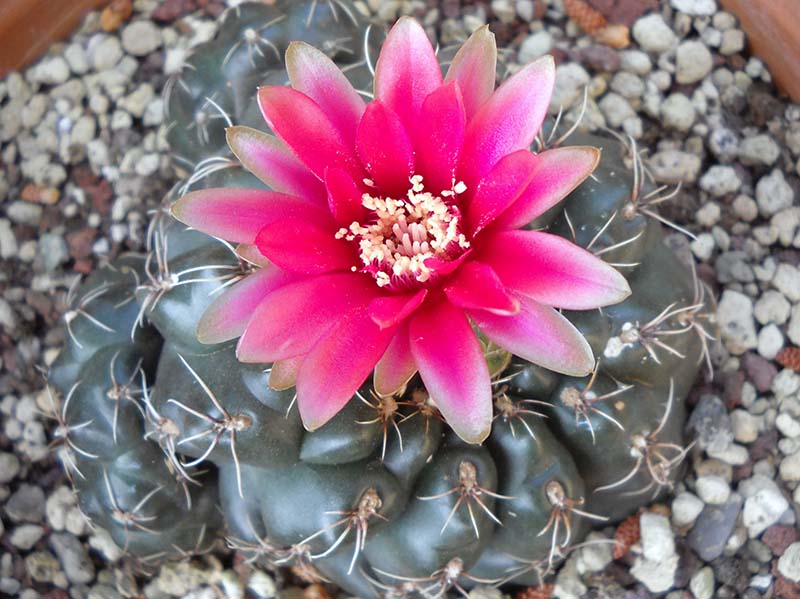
column 474, row 67
column 291, row 319
column 500, row 189
column 385, row 149
column 453, row 368
column 300, row 246
column 337, row 366
column 249, row 253
column 238, row 214
column 407, row 70
column 306, row 129
column 509, row 120
column 558, row 172
column 283, row 374
column 541, row 335
column 396, row 366
column 267, row 158
column 390, row 310
column 553, row 270
column 439, row 136
column 313, row 73
column 476, row 285
column 227, row 316
column 344, row 197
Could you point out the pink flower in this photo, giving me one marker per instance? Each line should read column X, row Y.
column 394, row 228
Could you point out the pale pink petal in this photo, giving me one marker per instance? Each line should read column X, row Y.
column 300, row 246
column 509, row 120
column 267, row 158
column 553, row 270
column 385, row 149
column 474, row 68
column 539, row 334
column 344, row 197
column 476, row 285
column 238, row 214
column 227, row 316
column 283, row 374
column 453, row 368
column 407, row 70
column 558, row 172
column 249, row 253
column 500, row 189
column 396, row 366
column 439, row 136
column 291, row 319
column 307, row 130
column 390, row 310
column 337, row 366
column 313, row 73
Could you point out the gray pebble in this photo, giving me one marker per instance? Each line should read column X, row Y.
column 678, row 112
column 653, row 34
column 26, row 536
column 675, row 166
column 571, row 79
column 24, row 213
column 711, row 424
column 535, row 45
column 724, row 144
column 616, row 109
column 140, row 38
column 720, row 180
column 713, row 528
column 73, row 556
column 9, row 467
column 53, row 251
column 26, row 504
column 104, row 52
column 759, row 149
column 773, row 193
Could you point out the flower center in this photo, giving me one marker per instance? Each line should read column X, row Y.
column 403, row 234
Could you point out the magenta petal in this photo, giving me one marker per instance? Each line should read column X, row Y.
column 407, row 70
column 300, row 246
column 474, row 68
column 439, row 136
column 268, row 159
column 500, row 189
column 227, row 316
column 385, row 149
column 344, row 197
column 453, row 368
column 509, row 120
column 283, row 374
column 396, row 366
column 391, row 310
column 238, row 214
column 541, row 335
column 553, row 270
column 476, row 285
column 558, row 172
column 291, row 319
column 307, row 130
column 313, row 73
column 337, row 366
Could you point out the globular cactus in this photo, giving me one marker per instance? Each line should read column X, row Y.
column 393, row 494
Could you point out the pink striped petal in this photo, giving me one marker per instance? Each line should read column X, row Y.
column 304, row 247
column 474, row 68
column 541, row 335
column 313, row 73
column 439, row 137
column 385, row 149
column 267, row 158
column 396, row 366
column 391, row 310
column 238, row 214
column 227, row 316
column 291, row 319
column 553, row 270
column 453, row 368
column 283, row 374
column 307, row 130
column 509, row 120
column 558, row 172
column 500, row 189
column 344, row 197
column 407, row 70
column 476, row 285
column 337, row 366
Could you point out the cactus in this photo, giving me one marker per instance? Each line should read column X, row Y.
column 160, row 428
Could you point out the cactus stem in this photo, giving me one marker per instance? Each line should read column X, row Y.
column 64, row 428
column 540, row 567
column 468, row 490
column 79, row 310
column 206, row 168
column 130, row 518
column 420, row 401
column 582, row 402
column 543, row 143
column 253, row 38
column 443, row 580
column 334, row 11
column 118, row 393
column 692, row 318
column 599, row 252
column 386, row 408
column 510, row 411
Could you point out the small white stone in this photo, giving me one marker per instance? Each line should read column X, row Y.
column 627, row 84
column 571, row 79
column 787, row 425
column 77, row 58
column 141, row 38
column 51, row 71
column 678, row 112
column 732, row 42
column 790, row 468
column 745, row 425
column 535, row 45
column 104, row 52
column 674, row 166
column 702, row 584
column 735, row 318
column 720, row 180
column 693, row 61
column 686, row 507
column 708, row 215
column 262, row 585
column 636, row 62
column 770, row 341
column 772, row 307
column 787, row 281
column 759, row 149
column 703, row 246
column 745, row 208
column 616, row 109
column 658, row 577
column 658, row 542
column 789, row 563
column 653, row 34
column 713, row 489
column 763, row 509
column 695, row 8
column 734, row 455
column 773, row 193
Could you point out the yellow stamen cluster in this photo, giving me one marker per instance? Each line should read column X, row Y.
column 407, row 232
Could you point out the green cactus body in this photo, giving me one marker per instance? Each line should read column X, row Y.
column 384, row 498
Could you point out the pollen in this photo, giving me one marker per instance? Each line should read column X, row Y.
column 404, row 233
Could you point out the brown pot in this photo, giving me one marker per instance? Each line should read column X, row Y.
column 29, row 27
column 773, row 30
